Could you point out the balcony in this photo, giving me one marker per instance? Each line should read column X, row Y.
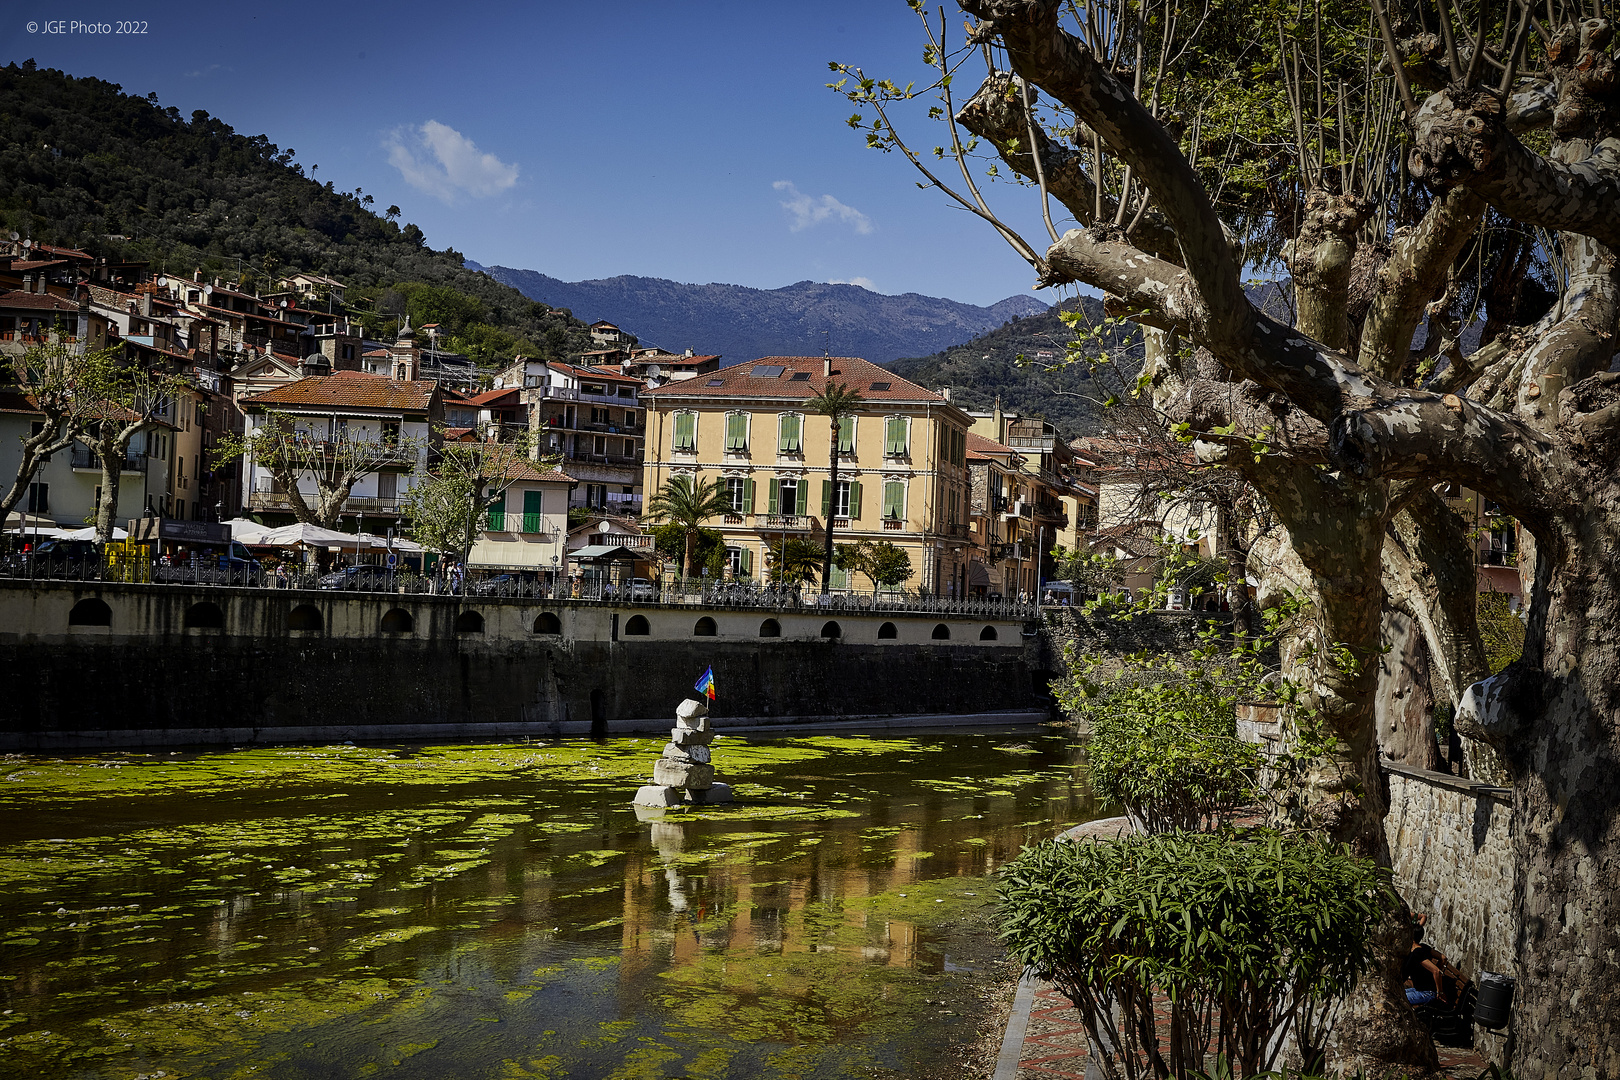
column 276, row 500
column 86, row 461
column 894, row 524
column 1498, row 557
column 533, row 525
column 783, row 522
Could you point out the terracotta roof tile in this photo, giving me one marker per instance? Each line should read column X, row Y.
column 978, row 444
column 355, row 389
column 17, row 299
column 587, row 372
column 875, row 384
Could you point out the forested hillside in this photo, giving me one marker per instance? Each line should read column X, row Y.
column 84, row 165
column 1038, row 384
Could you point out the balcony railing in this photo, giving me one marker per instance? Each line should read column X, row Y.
column 783, row 522
column 526, row 524
column 262, row 499
column 894, row 524
column 84, row 459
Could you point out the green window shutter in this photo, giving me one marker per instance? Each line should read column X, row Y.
column 772, row 489
column 686, row 431
column 804, row 498
column 782, row 422
column 826, row 498
column 846, row 435
column 497, row 512
column 894, row 499
column 748, row 496
column 854, row 500
column 795, row 433
column 532, row 511
column 748, row 558
column 896, row 436
column 736, row 431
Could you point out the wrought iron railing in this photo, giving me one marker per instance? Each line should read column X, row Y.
column 373, row 578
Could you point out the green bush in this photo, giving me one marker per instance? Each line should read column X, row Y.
column 1164, row 743
column 1240, row 933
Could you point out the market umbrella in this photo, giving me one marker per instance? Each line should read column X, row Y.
column 89, row 533
column 244, row 531
column 312, row 536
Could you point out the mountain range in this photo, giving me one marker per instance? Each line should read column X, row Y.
column 741, row 323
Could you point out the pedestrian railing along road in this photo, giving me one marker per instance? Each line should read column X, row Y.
column 371, row 578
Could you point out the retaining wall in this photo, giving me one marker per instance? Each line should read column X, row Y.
column 461, row 666
column 1449, row 840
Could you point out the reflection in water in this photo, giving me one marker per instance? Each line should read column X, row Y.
column 501, row 912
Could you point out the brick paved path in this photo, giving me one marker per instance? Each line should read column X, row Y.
column 1055, row 1044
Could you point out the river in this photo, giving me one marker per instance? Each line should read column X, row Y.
column 429, row 911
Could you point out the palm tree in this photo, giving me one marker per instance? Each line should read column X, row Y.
column 689, row 503
column 836, row 402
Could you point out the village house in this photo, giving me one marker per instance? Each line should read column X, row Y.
column 902, row 472
column 526, row 529
column 592, row 418
column 353, row 405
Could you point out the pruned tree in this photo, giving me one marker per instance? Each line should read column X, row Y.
column 58, row 380
column 884, row 562
column 449, row 504
column 134, row 399
column 1345, row 423
column 334, row 460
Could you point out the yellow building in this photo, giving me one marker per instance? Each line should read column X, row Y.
column 902, row 463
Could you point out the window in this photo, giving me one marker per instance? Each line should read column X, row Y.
column 39, row 498
column 600, row 444
column 894, row 499
column 799, row 376
column 599, row 416
column 497, row 511
column 740, row 561
column 846, row 435
column 737, row 432
column 740, row 492
column 787, row 496
column 844, row 503
column 897, row 436
column 789, row 433
column 627, row 391
column 766, row 371
column 686, row 433
column 881, row 386
column 388, row 485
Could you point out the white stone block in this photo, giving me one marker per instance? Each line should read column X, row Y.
column 657, row 795
column 716, row 794
column 681, row 736
column 682, row 774
column 691, row 708
column 696, row 752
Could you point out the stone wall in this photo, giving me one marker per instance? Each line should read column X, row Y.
column 379, row 666
column 1449, row 841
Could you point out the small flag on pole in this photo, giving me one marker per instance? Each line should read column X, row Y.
column 705, row 684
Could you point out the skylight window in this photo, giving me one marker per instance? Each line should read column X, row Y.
column 767, row 371
column 799, row 376
column 881, row 385
column 715, row 382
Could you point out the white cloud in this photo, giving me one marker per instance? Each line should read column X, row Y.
column 806, row 210
column 441, row 161
column 863, row 282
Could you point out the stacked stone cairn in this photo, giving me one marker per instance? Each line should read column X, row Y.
column 683, row 773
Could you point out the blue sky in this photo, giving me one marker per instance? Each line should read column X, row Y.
column 686, row 140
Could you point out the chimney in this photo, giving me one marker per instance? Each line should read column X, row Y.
column 826, row 367
column 146, row 304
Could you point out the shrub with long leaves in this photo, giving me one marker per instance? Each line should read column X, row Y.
column 1239, row 933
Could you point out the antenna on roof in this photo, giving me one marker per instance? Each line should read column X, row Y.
column 826, row 344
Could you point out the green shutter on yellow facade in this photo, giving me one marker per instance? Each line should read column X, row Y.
column 748, row 496
column 804, row 498
column 854, row 500
column 772, row 490
column 736, row 431
column 846, row 435
column 748, row 559
column 686, row 431
column 826, row 498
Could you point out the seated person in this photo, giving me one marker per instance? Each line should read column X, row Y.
column 1424, row 977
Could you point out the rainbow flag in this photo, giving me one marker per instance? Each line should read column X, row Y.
column 705, row 683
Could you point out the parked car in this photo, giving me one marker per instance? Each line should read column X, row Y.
column 642, row 589
column 364, row 576
column 499, row 585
